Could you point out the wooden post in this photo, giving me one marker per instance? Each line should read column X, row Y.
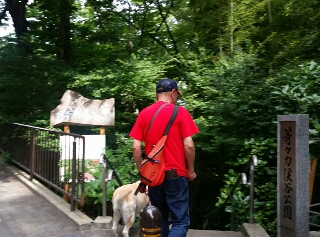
column 66, row 128
column 102, row 131
column 66, row 186
column 104, row 189
column 312, row 175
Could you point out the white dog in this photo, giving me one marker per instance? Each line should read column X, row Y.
column 127, row 205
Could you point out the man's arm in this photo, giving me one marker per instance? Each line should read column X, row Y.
column 137, row 152
column 190, row 154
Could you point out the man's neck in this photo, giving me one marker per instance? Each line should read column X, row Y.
column 165, row 100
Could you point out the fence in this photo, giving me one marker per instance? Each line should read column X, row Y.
column 55, row 158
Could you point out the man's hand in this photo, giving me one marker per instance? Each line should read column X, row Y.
column 190, row 153
column 192, row 175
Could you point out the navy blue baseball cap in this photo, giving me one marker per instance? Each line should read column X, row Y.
column 167, row 85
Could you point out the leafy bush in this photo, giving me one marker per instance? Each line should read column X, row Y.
column 265, row 181
column 122, row 162
column 6, row 157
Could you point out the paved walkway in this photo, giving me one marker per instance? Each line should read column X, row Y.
column 25, row 213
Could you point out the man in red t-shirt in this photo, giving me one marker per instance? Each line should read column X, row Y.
column 179, row 155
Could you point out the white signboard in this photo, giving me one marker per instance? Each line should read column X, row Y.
column 94, row 147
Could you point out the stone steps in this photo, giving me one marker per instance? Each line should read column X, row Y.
column 134, row 232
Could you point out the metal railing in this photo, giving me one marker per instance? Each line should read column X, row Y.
column 105, row 179
column 54, row 158
column 242, row 178
column 253, row 162
column 314, row 215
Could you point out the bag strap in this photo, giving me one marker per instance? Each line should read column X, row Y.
column 166, row 131
column 155, row 115
column 172, row 118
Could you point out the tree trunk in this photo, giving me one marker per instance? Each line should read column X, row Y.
column 219, row 31
column 231, row 26
column 270, row 15
column 64, row 30
column 17, row 10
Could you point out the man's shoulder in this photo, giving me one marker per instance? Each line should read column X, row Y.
column 155, row 106
column 147, row 111
column 183, row 109
column 148, row 108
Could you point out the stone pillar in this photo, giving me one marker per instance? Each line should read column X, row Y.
column 293, row 176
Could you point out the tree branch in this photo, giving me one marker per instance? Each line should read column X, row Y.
column 164, row 20
column 143, row 22
column 136, row 27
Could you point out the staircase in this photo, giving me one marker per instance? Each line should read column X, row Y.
column 247, row 230
column 134, row 232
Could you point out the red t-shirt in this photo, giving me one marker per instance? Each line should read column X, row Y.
column 182, row 127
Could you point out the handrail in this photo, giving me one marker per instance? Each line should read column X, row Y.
column 313, row 214
column 53, row 157
column 49, row 130
column 105, row 180
column 253, row 163
column 114, row 172
column 250, row 165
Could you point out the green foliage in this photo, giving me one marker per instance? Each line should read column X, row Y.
column 30, row 86
column 229, row 100
column 6, row 156
column 122, row 162
column 229, row 94
column 239, row 211
column 264, row 186
column 93, row 190
column 239, row 64
column 300, row 95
